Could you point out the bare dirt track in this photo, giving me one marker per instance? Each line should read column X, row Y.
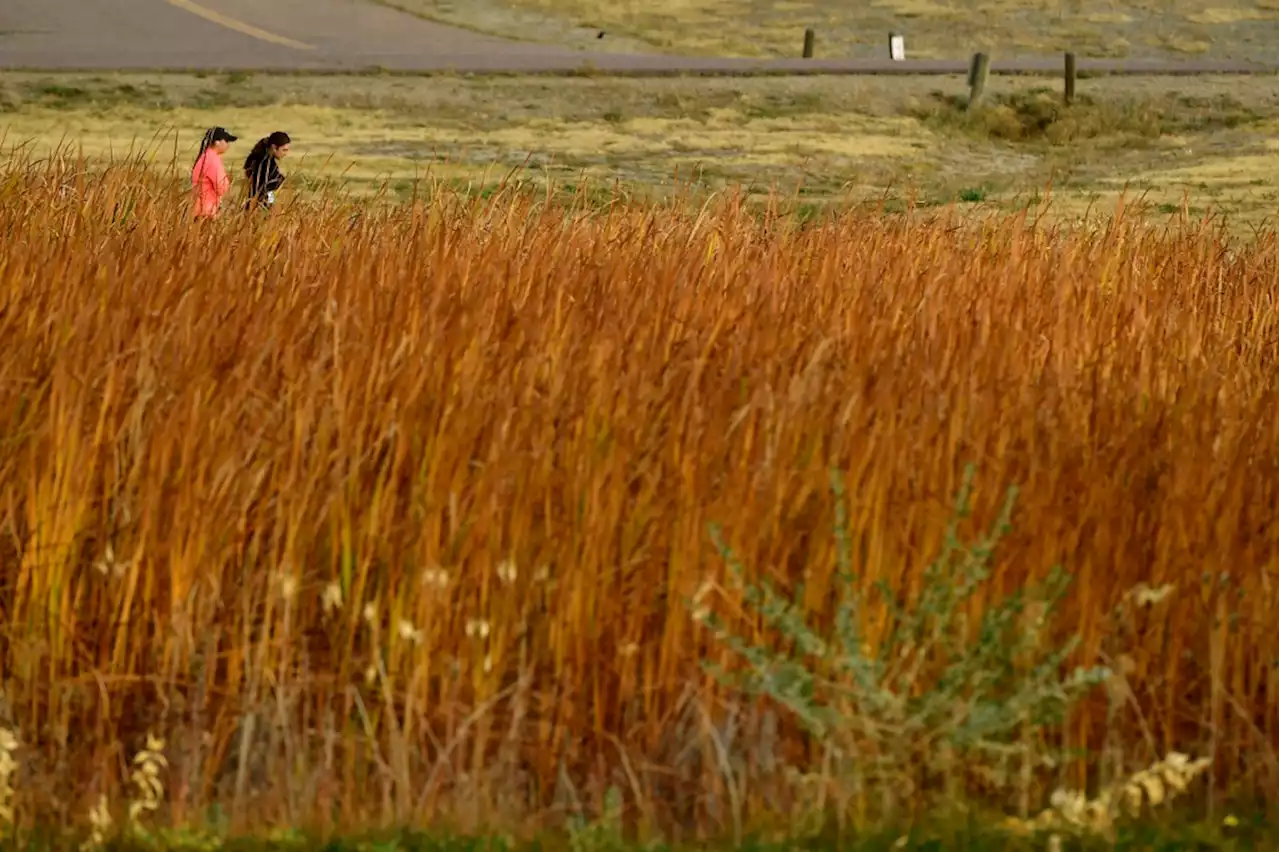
column 353, row 35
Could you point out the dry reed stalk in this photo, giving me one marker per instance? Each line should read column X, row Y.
column 482, row 442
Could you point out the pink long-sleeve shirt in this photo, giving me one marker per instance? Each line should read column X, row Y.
column 209, row 182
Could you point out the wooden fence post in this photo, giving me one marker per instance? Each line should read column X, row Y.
column 1069, row 78
column 808, row 43
column 978, row 70
column 897, row 47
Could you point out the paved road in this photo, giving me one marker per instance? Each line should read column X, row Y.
column 353, row 35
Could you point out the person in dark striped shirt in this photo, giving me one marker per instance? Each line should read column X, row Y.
column 262, row 168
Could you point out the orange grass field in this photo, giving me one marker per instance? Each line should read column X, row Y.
column 396, row 514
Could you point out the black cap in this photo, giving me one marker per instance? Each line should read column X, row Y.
column 220, row 134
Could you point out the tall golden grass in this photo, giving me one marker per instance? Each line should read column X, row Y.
column 392, row 515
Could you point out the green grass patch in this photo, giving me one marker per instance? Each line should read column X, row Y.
column 1171, row 834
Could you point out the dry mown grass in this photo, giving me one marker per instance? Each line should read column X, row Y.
column 834, row 140
column 395, row 514
column 933, row 28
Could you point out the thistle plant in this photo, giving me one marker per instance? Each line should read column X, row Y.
column 935, row 696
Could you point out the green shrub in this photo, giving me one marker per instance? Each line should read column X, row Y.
column 939, row 700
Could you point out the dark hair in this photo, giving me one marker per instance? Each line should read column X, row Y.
column 213, row 134
column 205, row 143
column 275, row 140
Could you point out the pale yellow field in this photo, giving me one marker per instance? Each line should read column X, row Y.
column 367, row 146
column 1243, row 29
column 1212, row 138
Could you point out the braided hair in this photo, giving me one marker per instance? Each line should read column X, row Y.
column 205, row 143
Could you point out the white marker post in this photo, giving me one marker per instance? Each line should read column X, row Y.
column 897, row 47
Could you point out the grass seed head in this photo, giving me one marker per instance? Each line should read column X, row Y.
column 332, row 597
column 435, row 578
column 109, row 566
column 8, row 768
column 100, row 826
column 1144, row 596
column 410, row 633
column 1156, row 784
column 146, row 778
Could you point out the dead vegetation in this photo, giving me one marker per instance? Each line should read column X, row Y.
column 373, row 515
column 836, row 140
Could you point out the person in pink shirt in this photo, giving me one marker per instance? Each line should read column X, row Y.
column 209, row 178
